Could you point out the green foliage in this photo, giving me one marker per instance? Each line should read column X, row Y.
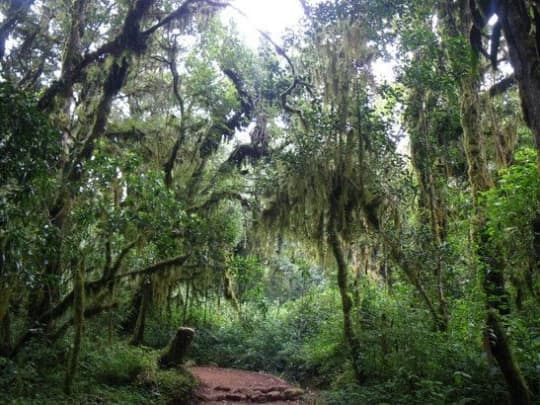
column 300, row 339
column 119, row 364
column 29, row 145
column 110, row 373
column 515, row 201
column 175, row 385
column 525, row 332
column 406, row 360
column 248, row 276
column 330, row 155
column 29, row 153
column 512, row 207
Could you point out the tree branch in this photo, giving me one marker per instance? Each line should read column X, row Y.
column 169, row 164
column 296, row 81
column 88, row 313
column 502, row 86
column 181, row 12
column 175, row 261
column 218, row 197
column 14, row 15
column 118, row 261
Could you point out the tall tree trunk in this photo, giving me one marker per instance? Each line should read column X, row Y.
column 5, row 296
column 44, row 296
column 457, row 20
column 140, row 325
column 185, row 311
column 78, row 324
column 431, row 204
column 486, row 257
column 346, row 300
column 47, row 292
column 5, row 335
column 521, row 23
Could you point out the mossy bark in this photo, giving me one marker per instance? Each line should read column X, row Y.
column 520, row 22
column 78, row 324
column 47, row 292
column 140, row 325
column 497, row 301
column 5, row 335
column 177, row 348
column 487, row 259
column 5, row 295
column 457, row 22
column 229, row 291
column 501, row 350
column 342, row 277
column 431, row 201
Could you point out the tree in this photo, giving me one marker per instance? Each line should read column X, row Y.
column 336, row 148
column 134, row 180
column 458, row 23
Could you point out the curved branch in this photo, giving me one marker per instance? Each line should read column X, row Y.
column 154, row 268
column 502, row 86
column 169, row 164
column 181, row 12
column 296, row 80
column 13, row 17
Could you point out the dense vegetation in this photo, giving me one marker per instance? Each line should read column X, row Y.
column 376, row 241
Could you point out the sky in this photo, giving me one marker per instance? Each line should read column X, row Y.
column 272, row 16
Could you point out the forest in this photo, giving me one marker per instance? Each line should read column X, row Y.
column 371, row 239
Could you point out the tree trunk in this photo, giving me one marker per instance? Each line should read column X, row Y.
column 45, row 296
column 140, row 325
column 186, row 303
column 78, row 323
column 431, row 201
column 521, row 31
column 5, row 335
column 346, row 300
column 486, row 256
column 47, row 293
column 5, row 295
column 500, row 348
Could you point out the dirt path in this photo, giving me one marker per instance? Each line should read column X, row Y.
column 228, row 386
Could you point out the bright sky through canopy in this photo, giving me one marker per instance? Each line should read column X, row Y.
column 272, row 16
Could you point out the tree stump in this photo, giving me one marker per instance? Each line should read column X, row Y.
column 177, row 348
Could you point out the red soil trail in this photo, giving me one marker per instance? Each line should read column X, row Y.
column 225, row 386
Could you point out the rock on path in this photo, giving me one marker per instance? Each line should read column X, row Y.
column 228, row 386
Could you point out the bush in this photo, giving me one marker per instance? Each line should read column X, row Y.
column 176, row 385
column 119, row 364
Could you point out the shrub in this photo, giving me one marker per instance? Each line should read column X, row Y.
column 120, row 364
column 176, row 385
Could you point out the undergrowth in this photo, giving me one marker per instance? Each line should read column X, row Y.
column 109, row 373
column 405, row 359
column 301, row 340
